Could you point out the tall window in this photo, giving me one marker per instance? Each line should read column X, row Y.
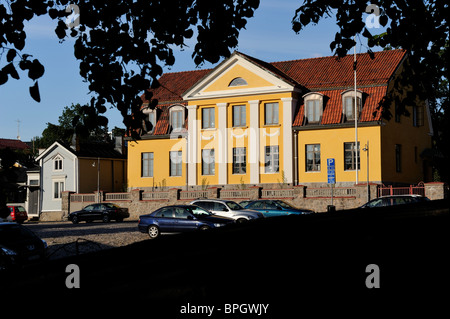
column 208, row 117
column 398, row 158
column 176, row 163
column 349, row 108
column 152, row 121
column 272, row 160
column 271, row 113
column 58, row 188
column 208, row 162
column 418, row 115
column 313, row 111
column 147, row 164
column 239, row 160
column 239, row 115
column 176, row 120
column 58, row 163
column 313, row 158
column 350, row 154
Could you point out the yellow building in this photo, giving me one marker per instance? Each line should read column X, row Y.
column 251, row 122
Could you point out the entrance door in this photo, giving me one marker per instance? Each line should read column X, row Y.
column 33, row 201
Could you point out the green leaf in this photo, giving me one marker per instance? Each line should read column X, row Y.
column 34, row 92
column 11, row 55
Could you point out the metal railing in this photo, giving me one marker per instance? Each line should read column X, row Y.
column 235, row 193
column 326, row 192
column 117, row 196
column 277, row 193
column 185, row 195
column 411, row 190
column 155, row 195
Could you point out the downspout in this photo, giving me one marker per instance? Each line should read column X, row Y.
column 295, row 158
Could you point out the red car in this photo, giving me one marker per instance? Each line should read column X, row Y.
column 17, row 214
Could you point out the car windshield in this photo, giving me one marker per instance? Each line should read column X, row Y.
column 234, row 205
column 111, row 205
column 13, row 232
column 198, row 211
column 283, row 204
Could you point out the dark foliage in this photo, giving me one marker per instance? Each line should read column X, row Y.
column 122, row 45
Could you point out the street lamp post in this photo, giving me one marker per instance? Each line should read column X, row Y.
column 366, row 149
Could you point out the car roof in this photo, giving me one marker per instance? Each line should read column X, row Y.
column 212, row 200
column 405, row 195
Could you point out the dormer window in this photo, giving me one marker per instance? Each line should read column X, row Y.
column 238, row 82
column 348, row 104
column 313, row 107
column 58, row 163
column 150, row 119
column 177, row 117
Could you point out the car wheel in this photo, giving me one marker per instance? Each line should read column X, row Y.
column 204, row 227
column 105, row 218
column 75, row 219
column 119, row 220
column 241, row 220
column 153, row 231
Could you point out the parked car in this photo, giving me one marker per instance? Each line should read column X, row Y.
column 19, row 246
column 394, row 200
column 228, row 208
column 180, row 218
column 275, row 207
column 102, row 211
column 17, row 214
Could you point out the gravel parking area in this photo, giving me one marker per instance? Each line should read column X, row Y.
column 65, row 239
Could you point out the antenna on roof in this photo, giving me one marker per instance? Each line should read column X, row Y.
column 18, row 129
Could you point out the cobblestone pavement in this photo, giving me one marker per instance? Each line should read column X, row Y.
column 65, row 239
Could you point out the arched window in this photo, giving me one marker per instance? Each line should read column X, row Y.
column 238, row 82
column 313, row 107
column 348, row 104
column 177, row 117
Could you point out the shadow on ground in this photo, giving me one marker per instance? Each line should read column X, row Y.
column 297, row 264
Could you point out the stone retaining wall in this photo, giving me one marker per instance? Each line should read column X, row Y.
column 141, row 202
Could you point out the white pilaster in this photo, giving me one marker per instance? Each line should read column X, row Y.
column 289, row 105
column 222, row 143
column 192, row 145
column 253, row 142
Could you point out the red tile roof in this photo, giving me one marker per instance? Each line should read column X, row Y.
column 13, row 144
column 332, row 111
column 327, row 75
column 172, row 85
column 328, row 72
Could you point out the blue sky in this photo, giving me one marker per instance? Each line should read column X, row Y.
column 268, row 36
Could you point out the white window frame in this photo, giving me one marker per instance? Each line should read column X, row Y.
column 58, row 185
column 208, row 162
column 307, row 99
column 151, row 118
column 150, row 167
column 239, row 114
column 269, row 120
column 58, row 167
column 176, row 163
column 208, row 119
column 180, row 110
column 351, row 94
column 272, row 156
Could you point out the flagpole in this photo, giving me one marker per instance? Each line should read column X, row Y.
column 355, row 113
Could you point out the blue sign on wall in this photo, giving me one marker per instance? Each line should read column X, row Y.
column 331, row 171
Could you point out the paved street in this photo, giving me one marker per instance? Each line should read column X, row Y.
column 65, row 238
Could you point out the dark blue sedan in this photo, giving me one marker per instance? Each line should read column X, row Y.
column 180, row 218
column 275, row 207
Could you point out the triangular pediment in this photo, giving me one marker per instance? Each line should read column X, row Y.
column 238, row 75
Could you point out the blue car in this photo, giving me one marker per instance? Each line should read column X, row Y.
column 275, row 207
column 180, row 218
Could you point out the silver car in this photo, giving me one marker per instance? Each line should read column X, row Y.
column 228, row 208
